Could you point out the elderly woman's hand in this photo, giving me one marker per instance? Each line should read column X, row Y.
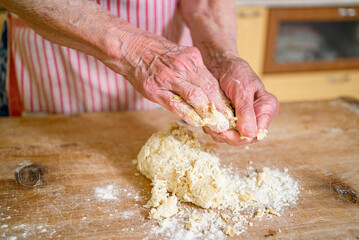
column 214, row 31
column 173, row 76
column 254, row 106
column 162, row 71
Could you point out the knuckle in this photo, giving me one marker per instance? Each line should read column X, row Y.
column 160, row 97
column 266, row 116
column 273, row 98
column 193, row 51
column 213, row 88
column 194, row 95
column 250, row 87
column 242, row 61
column 243, row 103
column 245, row 110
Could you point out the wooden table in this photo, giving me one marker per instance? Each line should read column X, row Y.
column 78, row 155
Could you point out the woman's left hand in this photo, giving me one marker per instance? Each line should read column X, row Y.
column 254, row 106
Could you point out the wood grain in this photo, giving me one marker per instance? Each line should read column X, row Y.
column 317, row 141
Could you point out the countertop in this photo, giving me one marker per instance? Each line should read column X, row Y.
column 82, row 158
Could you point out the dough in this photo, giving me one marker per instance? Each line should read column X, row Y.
column 215, row 120
column 262, row 133
column 176, row 162
column 181, row 169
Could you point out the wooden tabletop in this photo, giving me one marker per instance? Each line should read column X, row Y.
column 91, row 189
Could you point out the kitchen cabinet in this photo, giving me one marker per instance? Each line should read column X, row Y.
column 302, row 53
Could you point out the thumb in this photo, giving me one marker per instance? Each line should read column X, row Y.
column 247, row 121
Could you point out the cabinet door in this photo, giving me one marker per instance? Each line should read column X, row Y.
column 251, row 30
column 314, row 85
column 307, row 39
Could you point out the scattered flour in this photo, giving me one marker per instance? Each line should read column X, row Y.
column 106, row 193
column 30, row 231
column 182, row 169
column 201, row 224
column 127, row 214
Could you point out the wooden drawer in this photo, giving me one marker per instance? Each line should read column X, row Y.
column 313, row 85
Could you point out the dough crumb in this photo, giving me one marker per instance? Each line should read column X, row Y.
column 230, row 231
column 134, row 161
column 225, row 217
column 166, row 209
column 262, row 175
column 162, row 205
column 193, row 221
column 262, row 133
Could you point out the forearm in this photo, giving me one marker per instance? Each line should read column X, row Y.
column 213, row 28
column 89, row 28
column 164, row 72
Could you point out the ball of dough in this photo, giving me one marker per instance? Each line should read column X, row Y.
column 176, row 157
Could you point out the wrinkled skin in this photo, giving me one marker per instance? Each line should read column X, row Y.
column 181, row 72
column 173, row 76
column 182, row 79
column 254, row 106
column 214, row 32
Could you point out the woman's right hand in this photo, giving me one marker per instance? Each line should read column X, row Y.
column 173, row 76
column 162, row 71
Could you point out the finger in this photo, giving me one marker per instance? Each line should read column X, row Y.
column 214, row 135
column 222, row 103
column 215, row 95
column 175, row 104
column 198, row 99
column 231, row 137
column 218, row 139
column 211, row 88
column 266, row 107
column 247, row 121
column 206, row 130
column 263, row 121
column 234, row 138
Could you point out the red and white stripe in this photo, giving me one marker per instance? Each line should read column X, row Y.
column 57, row 79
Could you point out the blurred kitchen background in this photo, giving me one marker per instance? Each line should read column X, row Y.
column 301, row 49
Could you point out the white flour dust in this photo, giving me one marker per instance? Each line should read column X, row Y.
column 106, row 193
column 29, row 231
column 268, row 192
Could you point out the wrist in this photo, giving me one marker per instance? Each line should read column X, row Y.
column 218, row 61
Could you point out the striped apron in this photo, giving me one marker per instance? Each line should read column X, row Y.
column 46, row 77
